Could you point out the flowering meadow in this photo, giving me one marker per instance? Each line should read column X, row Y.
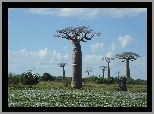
column 75, row 98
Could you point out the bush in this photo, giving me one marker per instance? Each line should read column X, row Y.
column 101, row 80
column 46, row 77
column 13, row 79
column 29, row 78
column 67, row 82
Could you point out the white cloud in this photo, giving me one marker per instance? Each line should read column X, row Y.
column 126, row 41
column 41, row 10
column 8, row 22
column 92, row 59
column 65, row 12
column 109, row 54
column 43, row 53
column 112, row 48
column 66, row 56
column 97, row 47
column 23, row 60
column 40, row 59
column 121, row 12
column 89, row 12
column 139, row 62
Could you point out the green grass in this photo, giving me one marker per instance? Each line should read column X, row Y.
column 86, row 85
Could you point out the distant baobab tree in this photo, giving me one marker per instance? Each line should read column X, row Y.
column 31, row 70
column 63, row 65
column 88, row 70
column 76, row 35
column 127, row 56
column 103, row 69
column 118, row 74
column 108, row 60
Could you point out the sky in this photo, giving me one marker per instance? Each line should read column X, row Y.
column 31, row 41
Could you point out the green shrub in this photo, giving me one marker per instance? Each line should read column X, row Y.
column 29, row 78
column 46, row 77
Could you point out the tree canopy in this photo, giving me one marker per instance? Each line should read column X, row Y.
column 127, row 55
column 76, row 34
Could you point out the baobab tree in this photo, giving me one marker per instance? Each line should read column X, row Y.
column 103, row 69
column 108, row 60
column 76, row 35
column 31, row 70
column 118, row 74
column 88, row 70
column 127, row 56
column 63, row 65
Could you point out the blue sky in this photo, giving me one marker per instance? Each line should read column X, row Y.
column 31, row 41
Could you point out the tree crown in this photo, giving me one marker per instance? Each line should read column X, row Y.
column 62, row 64
column 127, row 55
column 108, row 59
column 76, row 34
column 89, row 70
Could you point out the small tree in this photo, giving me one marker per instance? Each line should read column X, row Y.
column 46, row 77
column 127, row 56
column 29, row 78
column 13, row 78
column 63, row 65
column 103, row 69
column 108, row 60
column 10, row 78
column 88, row 70
column 118, row 74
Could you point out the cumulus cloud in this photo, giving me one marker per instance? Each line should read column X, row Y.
column 109, row 54
column 43, row 53
column 97, row 47
column 41, row 58
column 89, row 12
column 126, row 41
column 121, row 12
column 92, row 59
column 65, row 12
column 139, row 62
column 112, row 47
column 111, row 50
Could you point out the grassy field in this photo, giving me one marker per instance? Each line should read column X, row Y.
column 56, row 94
column 91, row 86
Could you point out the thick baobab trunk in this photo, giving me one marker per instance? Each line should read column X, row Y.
column 127, row 70
column 76, row 66
column 108, row 71
column 63, row 73
column 103, row 72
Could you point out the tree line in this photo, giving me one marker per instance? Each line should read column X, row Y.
column 29, row 78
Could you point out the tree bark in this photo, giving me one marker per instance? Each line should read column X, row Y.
column 127, row 70
column 76, row 66
column 103, row 72
column 63, row 73
column 108, row 71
